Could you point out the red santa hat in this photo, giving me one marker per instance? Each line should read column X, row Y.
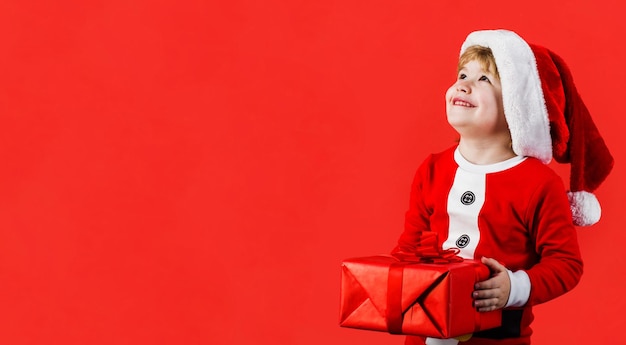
column 547, row 117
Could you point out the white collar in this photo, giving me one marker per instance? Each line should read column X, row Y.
column 486, row 168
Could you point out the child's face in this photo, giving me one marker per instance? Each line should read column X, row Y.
column 474, row 103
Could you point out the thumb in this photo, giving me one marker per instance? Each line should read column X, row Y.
column 493, row 264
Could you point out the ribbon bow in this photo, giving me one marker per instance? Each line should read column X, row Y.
column 427, row 251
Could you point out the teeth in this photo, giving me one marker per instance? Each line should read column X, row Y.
column 462, row 103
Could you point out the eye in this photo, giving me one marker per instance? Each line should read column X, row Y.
column 484, row 78
column 462, row 76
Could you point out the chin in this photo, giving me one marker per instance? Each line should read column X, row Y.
column 455, row 121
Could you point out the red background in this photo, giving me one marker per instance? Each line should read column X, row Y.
column 193, row 172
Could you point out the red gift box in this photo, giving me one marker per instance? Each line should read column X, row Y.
column 384, row 293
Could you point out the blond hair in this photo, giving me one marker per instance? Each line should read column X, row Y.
column 483, row 55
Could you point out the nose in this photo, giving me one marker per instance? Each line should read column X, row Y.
column 463, row 86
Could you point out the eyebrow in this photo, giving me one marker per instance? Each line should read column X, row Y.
column 482, row 72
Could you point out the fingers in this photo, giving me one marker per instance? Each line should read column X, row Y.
column 487, row 284
column 494, row 265
column 487, row 294
column 490, row 304
column 490, row 298
column 492, row 293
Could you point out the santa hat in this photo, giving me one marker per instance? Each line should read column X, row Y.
column 547, row 117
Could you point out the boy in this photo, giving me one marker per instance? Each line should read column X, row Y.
column 492, row 196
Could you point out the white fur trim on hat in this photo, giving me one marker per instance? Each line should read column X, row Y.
column 522, row 95
column 585, row 208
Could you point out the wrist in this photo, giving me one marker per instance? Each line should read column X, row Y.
column 520, row 288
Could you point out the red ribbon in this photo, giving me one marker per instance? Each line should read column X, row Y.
column 427, row 251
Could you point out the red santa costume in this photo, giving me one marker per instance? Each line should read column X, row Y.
column 517, row 211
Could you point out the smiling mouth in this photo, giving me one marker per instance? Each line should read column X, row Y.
column 462, row 103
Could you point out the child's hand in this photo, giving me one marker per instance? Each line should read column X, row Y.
column 492, row 293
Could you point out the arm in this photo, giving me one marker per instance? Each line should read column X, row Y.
column 417, row 216
column 504, row 289
column 560, row 265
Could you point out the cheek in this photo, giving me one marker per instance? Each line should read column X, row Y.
column 449, row 93
column 501, row 105
column 498, row 100
column 448, row 99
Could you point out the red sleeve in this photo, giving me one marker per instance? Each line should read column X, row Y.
column 418, row 215
column 560, row 265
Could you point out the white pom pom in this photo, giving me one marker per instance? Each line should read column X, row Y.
column 585, row 208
